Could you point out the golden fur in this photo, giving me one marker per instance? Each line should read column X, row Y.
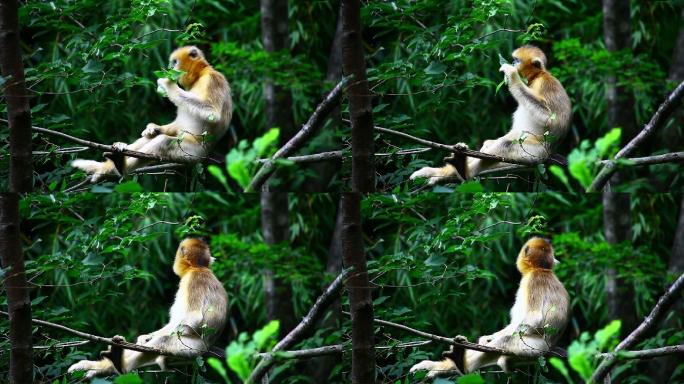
column 542, row 118
column 204, row 111
column 538, row 316
column 201, row 302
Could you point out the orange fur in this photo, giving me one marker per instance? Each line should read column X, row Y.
column 193, row 254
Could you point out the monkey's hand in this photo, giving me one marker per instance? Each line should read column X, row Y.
column 486, row 339
column 509, row 72
column 142, row 339
column 150, row 131
column 164, row 85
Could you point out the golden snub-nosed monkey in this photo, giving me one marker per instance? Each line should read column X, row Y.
column 204, row 110
column 538, row 317
column 541, row 119
column 197, row 317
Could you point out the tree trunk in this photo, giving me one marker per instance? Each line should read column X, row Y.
column 327, row 169
column 661, row 369
column 18, row 110
column 18, row 301
column 321, row 367
column 616, row 213
column 617, row 228
column 677, row 66
column 275, row 227
column 360, row 300
column 360, row 108
column 275, row 223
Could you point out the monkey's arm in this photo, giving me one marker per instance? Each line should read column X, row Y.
column 523, row 94
column 189, row 101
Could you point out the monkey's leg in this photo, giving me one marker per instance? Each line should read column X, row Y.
column 446, row 367
column 156, row 146
column 102, row 367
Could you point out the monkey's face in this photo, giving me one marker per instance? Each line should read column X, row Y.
column 537, row 253
column 529, row 59
column 185, row 58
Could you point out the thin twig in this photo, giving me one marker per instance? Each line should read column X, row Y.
column 672, row 157
column 658, row 119
column 324, row 300
column 342, row 154
column 658, row 311
column 314, row 123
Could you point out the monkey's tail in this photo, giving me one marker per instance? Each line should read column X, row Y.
column 97, row 169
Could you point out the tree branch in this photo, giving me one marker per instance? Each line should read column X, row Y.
column 671, row 157
column 645, row 354
column 104, row 340
column 661, row 307
column 343, row 154
column 453, row 149
column 658, row 119
column 334, row 350
column 314, row 123
column 110, row 148
column 465, row 344
column 316, row 311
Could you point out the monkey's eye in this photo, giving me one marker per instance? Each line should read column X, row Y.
column 516, row 61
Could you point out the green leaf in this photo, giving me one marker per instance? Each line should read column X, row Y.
column 502, row 60
column 218, row 367
column 435, row 68
column 129, row 378
column 128, row 187
column 611, row 331
column 607, row 146
column 560, row 174
column 499, row 86
column 265, row 334
column 265, row 142
column 470, row 187
column 93, row 67
column 560, row 367
column 217, row 172
column 472, row 378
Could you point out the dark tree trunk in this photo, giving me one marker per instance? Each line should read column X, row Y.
column 677, row 66
column 18, row 301
column 18, row 110
column 275, row 227
column 275, row 37
column 661, row 369
column 321, row 367
column 274, row 206
column 360, row 108
column 617, row 31
column 360, row 300
column 617, row 228
column 327, row 169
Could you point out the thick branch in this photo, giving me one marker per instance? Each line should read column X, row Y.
column 453, row 149
column 104, row 340
column 109, row 148
column 646, row 353
column 465, row 344
column 316, row 311
column 314, row 123
column 660, row 309
column 658, row 119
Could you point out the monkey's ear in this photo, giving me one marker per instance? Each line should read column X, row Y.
column 527, row 248
column 193, row 53
column 537, row 62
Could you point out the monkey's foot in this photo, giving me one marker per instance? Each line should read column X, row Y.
column 150, row 131
column 115, row 353
column 461, row 146
column 117, row 158
column 436, row 368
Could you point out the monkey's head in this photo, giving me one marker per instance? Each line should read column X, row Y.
column 537, row 253
column 189, row 59
column 529, row 61
column 192, row 253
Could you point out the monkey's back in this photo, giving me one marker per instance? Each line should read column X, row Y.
column 209, row 297
column 548, row 297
